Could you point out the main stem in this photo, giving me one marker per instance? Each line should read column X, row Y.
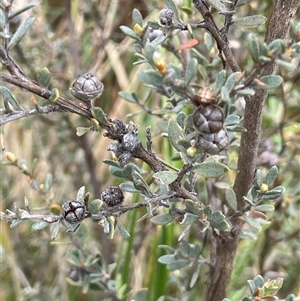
column 224, row 246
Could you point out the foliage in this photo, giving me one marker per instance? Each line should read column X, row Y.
column 177, row 159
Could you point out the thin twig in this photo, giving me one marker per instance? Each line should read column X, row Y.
column 217, row 34
column 5, row 118
column 25, row 215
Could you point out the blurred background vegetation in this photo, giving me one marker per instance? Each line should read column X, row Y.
column 71, row 37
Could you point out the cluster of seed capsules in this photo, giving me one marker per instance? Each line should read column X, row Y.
column 208, row 121
column 75, row 211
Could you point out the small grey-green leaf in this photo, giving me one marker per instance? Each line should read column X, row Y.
column 137, row 17
column 286, row 65
column 20, row 11
column 54, row 95
column 225, row 94
column 129, row 32
column 177, row 264
column 80, row 131
column 150, row 77
column 162, row 219
column 253, row 46
column 259, row 281
column 246, row 92
column 165, row 259
column 116, row 172
column 193, row 207
column 48, row 182
column 128, row 170
column 122, row 230
column 231, row 81
column 191, row 70
column 264, row 59
column 175, row 133
column 55, row 231
column 35, row 185
column 265, row 208
column 189, row 219
column 43, row 77
column 127, row 96
column 80, row 194
column 271, row 81
column 111, row 162
column 154, row 25
column 242, row 2
column 252, row 222
column 99, row 115
column 180, row 119
column 273, row 193
column 253, row 288
column 39, row 226
column 159, row 40
column 232, row 119
column 210, row 169
column 221, row 78
column 218, row 220
column 166, row 177
column 15, row 223
column 171, row 5
column 271, row 175
column 129, row 187
column 236, row 128
column 195, row 276
column 217, row 4
column 259, row 178
column 8, row 98
column 231, row 198
column 95, row 206
column 167, row 248
column 250, row 21
column 290, row 297
column 20, row 33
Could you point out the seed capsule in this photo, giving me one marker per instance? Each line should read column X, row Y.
column 73, row 211
column 112, row 196
column 208, row 119
column 213, row 143
column 86, row 87
column 165, row 16
column 205, row 95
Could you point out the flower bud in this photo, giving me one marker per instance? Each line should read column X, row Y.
column 137, row 28
column 11, row 157
column 159, row 62
column 192, row 151
column 264, row 188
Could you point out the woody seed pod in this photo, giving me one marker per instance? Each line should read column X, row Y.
column 112, row 196
column 208, row 119
column 213, row 143
column 87, row 87
column 73, row 211
column 165, row 16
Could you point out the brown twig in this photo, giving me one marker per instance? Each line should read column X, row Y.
column 221, row 40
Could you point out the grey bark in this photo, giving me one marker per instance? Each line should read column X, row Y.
column 224, row 246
